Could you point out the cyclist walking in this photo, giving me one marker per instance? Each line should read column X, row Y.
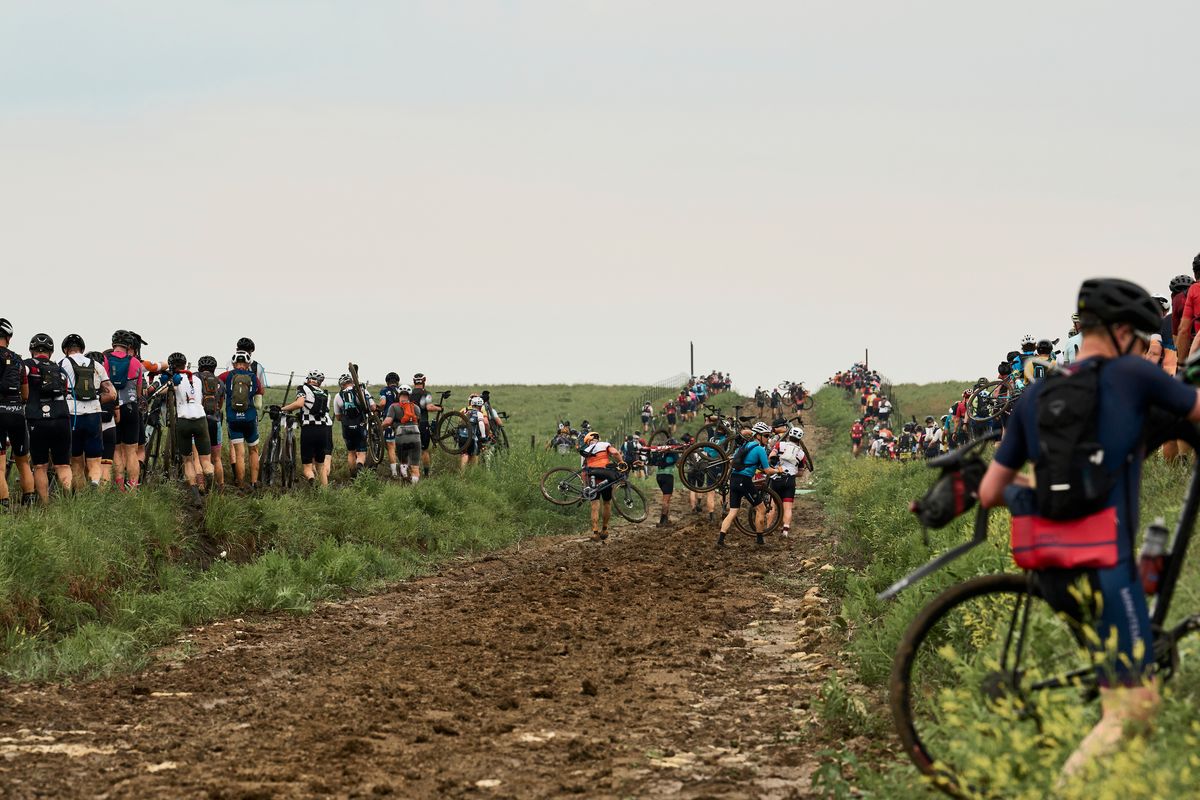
column 748, row 459
column 125, row 372
column 404, row 419
column 789, row 455
column 647, row 416
column 243, row 404
column 387, row 396
column 316, row 428
column 14, row 391
column 89, row 387
column 596, row 456
column 192, row 444
column 348, row 411
column 424, row 401
column 212, row 402
column 1117, row 318
column 665, row 459
column 48, row 415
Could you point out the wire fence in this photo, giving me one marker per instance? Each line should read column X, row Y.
column 657, row 392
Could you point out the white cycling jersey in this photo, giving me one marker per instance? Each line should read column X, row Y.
column 791, row 456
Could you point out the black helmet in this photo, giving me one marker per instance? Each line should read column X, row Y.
column 245, row 343
column 1044, row 347
column 419, row 377
column 73, row 340
column 1113, row 301
column 177, row 361
column 95, row 355
column 1004, row 368
column 120, row 338
column 41, row 342
column 5, row 328
column 1196, row 266
column 779, row 422
column 1180, row 283
column 207, row 364
column 391, row 377
column 673, row 441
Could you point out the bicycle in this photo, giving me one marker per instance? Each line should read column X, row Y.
column 282, row 452
column 706, row 466
column 994, row 399
column 449, row 429
column 161, row 458
column 802, row 399
column 990, row 653
column 567, row 486
column 371, row 421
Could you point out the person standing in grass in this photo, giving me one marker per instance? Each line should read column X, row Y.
column 404, row 417
column 125, row 372
column 316, row 428
column 243, row 402
column 424, row 401
column 596, row 456
column 89, row 388
column 213, row 402
column 191, row 423
column 14, row 391
column 387, row 396
column 348, row 411
column 48, row 414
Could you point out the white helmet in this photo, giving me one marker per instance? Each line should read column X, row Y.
column 317, row 376
column 241, row 355
column 795, row 432
column 761, row 429
column 477, row 402
column 1026, row 340
column 404, row 388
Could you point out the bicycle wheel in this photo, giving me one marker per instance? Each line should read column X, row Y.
column 659, row 437
column 629, row 502
column 150, row 467
column 501, row 437
column 563, row 486
column 270, row 457
column 986, row 403
column 287, row 465
column 768, row 516
column 989, row 663
column 374, row 442
column 452, row 434
column 703, row 466
column 809, row 403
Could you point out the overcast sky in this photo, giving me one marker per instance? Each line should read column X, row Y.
column 570, row 191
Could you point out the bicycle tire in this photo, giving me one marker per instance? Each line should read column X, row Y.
column 501, row 437
column 774, row 515
column 703, row 466
column 448, row 433
column 659, row 437
column 287, row 472
column 809, row 403
column 629, row 501
column 270, row 456
column 961, row 642
column 563, row 486
column 984, row 404
column 374, row 441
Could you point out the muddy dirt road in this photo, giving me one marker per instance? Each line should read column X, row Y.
column 653, row 665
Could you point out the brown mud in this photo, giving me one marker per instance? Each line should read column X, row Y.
column 652, row 665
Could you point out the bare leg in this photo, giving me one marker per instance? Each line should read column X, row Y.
column 254, row 463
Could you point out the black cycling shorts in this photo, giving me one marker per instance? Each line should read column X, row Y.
column 191, row 433
column 109, row 437
column 601, row 475
column 129, row 428
column 666, row 482
column 50, row 439
column 15, row 429
column 426, row 439
column 784, row 486
column 741, row 487
column 315, row 444
column 214, row 432
column 670, row 419
column 356, row 438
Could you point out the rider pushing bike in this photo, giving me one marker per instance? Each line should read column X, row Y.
column 596, row 455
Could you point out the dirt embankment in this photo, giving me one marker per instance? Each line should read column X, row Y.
column 652, row 665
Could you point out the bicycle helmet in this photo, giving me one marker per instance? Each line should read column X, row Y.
column 95, row 355
column 1163, row 303
column 404, row 388
column 779, row 422
column 1180, row 283
column 761, row 429
column 317, row 377
column 1196, row 266
column 73, row 340
column 419, row 377
column 241, row 356
column 120, row 338
column 345, row 378
column 41, row 343
column 686, row 439
column 590, row 436
column 1044, row 347
column 245, row 343
column 672, row 442
column 136, row 340
column 1114, row 301
column 796, row 432
column 6, row 329
column 177, row 361
column 928, row 419
column 391, row 378
column 1027, row 342
column 207, row 364
column 477, row 402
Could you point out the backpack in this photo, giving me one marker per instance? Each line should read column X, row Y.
column 350, row 410
column 1072, row 480
column 241, row 389
column 54, row 384
column 10, row 374
column 85, row 380
column 319, row 407
column 118, row 369
column 739, row 457
column 212, row 393
column 409, row 413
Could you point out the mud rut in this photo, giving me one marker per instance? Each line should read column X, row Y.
column 653, row 665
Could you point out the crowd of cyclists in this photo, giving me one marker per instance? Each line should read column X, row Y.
column 82, row 418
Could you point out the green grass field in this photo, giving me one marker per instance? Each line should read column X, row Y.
column 866, row 503
column 91, row 583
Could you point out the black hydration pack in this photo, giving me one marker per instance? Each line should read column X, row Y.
column 10, row 375
column 85, row 380
column 1072, row 479
column 54, row 384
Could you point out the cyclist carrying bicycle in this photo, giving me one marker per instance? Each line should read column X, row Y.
column 404, row 417
column 1114, row 391
column 191, row 423
column 348, row 411
column 748, row 459
column 596, row 455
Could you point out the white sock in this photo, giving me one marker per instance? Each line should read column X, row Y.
column 404, row 470
column 415, row 478
column 393, row 467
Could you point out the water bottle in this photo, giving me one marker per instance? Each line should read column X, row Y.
column 1153, row 558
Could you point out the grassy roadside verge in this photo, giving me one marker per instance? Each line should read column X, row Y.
column 878, row 541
